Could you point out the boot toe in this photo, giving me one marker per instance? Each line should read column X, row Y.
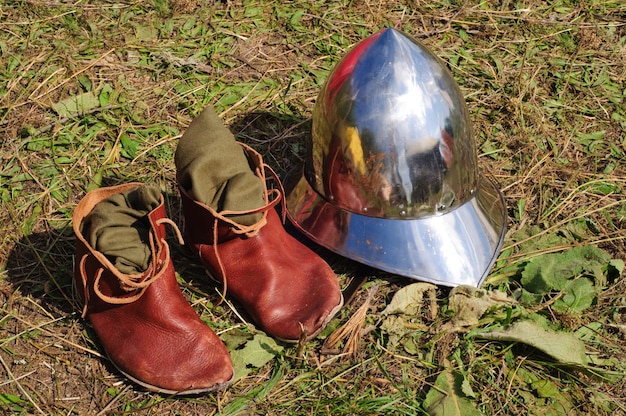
column 190, row 365
column 288, row 320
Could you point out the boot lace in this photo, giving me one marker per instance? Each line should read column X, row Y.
column 271, row 198
column 133, row 282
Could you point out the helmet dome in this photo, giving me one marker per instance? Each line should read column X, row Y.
column 391, row 177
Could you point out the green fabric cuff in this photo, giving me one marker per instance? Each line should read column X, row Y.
column 214, row 169
column 118, row 227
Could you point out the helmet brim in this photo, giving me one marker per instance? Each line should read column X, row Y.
column 458, row 247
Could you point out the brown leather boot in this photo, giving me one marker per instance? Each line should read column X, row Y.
column 146, row 327
column 287, row 289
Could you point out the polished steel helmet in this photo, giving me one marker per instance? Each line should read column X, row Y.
column 391, row 177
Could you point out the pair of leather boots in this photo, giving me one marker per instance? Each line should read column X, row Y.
column 147, row 328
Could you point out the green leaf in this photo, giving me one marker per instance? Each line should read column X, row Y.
column 8, row 398
column 85, row 82
column 563, row 347
column 30, row 222
column 76, row 104
column 545, row 388
column 235, row 338
column 257, row 352
column 410, row 346
column 529, row 298
column 253, row 11
column 463, row 35
column 546, row 273
column 104, row 97
column 549, row 400
column 466, row 388
column 145, row 32
column 589, row 332
column 550, row 272
column 129, row 146
column 615, row 268
column 579, row 295
column 294, row 21
column 534, row 239
column 447, row 398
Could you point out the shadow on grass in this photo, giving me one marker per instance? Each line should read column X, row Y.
column 51, row 361
column 40, row 266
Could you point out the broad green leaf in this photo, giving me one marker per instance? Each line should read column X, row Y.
column 257, row 352
column 529, row 298
column 587, row 254
column 104, row 97
column 547, row 273
column 96, row 180
column 579, row 295
column 615, row 268
column 550, row 272
column 447, row 398
column 545, row 388
column 76, row 105
column 410, row 346
column 294, row 21
column 27, row 228
column 466, row 388
column 549, row 400
column 85, row 82
column 531, row 239
column 253, row 11
column 129, row 146
column 235, row 338
column 589, row 332
column 563, row 347
column 145, row 32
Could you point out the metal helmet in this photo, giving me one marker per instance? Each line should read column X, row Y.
column 391, row 177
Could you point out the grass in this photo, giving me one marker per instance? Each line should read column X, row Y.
column 98, row 93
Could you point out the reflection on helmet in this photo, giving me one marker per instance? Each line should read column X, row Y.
column 392, row 149
column 392, row 120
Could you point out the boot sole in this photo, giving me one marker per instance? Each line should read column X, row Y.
column 329, row 318
column 157, row 389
